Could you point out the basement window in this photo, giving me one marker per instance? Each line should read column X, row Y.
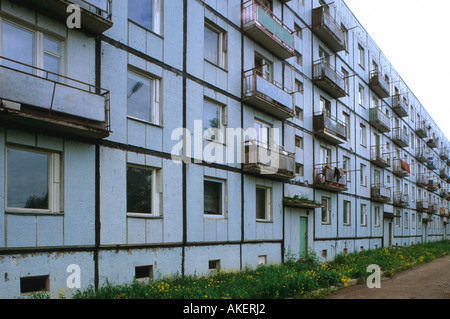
column 214, row 266
column 29, row 285
column 143, row 272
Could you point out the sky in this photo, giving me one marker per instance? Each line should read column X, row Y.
column 414, row 35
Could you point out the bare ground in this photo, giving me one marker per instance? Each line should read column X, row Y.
column 428, row 281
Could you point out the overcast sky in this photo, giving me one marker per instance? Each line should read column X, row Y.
column 414, row 35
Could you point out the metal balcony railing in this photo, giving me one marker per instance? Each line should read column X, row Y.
column 268, row 160
column 380, row 156
column 400, row 105
column 379, row 84
column 260, row 24
column 380, row 193
column 444, row 153
column 422, row 129
column 326, row 28
column 329, row 128
column 422, row 180
column 379, row 120
column 401, row 199
column 328, row 79
column 35, row 97
column 422, row 205
column 401, row 168
column 329, row 177
column 400, row 137
column 422, row 154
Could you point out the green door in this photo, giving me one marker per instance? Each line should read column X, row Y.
column 303, row 237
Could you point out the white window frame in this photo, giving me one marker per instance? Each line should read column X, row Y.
column 377, row 217
column 157, row 18
column 156, row 193
column 327, row 220
column 155, row 103
column 55, row 182
column 223, row 196
column 347, row 208
column 223, row 121
column 363, row 214
column 222, row 44
column 268, row 203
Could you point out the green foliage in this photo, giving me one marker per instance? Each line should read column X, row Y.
column 294, row 278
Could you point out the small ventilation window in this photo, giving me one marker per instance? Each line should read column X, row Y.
column 214, row 265
column 144, row 272
column 30, row 285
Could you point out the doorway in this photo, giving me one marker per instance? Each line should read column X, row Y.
column 303, row 237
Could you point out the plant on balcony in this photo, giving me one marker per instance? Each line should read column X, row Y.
column 301, row 201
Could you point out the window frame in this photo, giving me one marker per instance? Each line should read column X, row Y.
column 268, row 204
column 222, row 215
column 157, row 18
column 363, row 215
column 327, row 221
column 222, row 45
column 223, row 121
column 155, row 200
column 55, row 187
column 347, row 213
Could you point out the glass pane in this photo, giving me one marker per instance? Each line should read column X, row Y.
column 140, row 99
column 211, row 46
column 261, row 202
column 27, row 179
column 18, row 45
column 211, row 120
column 52, row 64
column 213, row 198
column 141, row 12
column 139, row 190
column 51, row 45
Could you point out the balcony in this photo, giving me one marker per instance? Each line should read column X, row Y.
column 422, row 205
column 328, row 79
column 400, row 105
column 329, row 128
column 431, row 163
column 422, row 180
column 268, row 161
column 433, row 141
column 95, row 14
column 40, row 100
column 432, row 208
column 421, row 129
column 443, row 173
column 433, row 185
column 262, row 26
column 330, row 178
column 443, row 193
column 379, row 84
column 401, row 168
column 380, row 156
column 422, row 154
column 401, row 199
column 379, row 120
column 380, row 193
column 327, row 30
column 262, row 92
column 400, row 137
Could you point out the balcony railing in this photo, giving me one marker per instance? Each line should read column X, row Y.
column 400, row 105
column 431, row 163
column 262, row 92
column 327, row 30
column 421, row 129
column 329, row 128
column 380, row 193
column 432, row 185
column 422, row 180
column 443, row 193
column 433, row 141
column 443, row 173
column 380, row 156
column 422, row 154
column 268, row 161
column 400, row 137
column 35, row 98
column 329, row 177
column 328, row 79
column 379, row 120
column 444, row 154
column 432, row 207
column 401, row 168
column 401, row 199
column 422, row 205
column 96, row 15
column 379, row 84
column 260, row 24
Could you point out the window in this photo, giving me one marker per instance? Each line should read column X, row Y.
column 363, row 175
column 143, row 272
column 326, row 210
column 325, row 106
column 214, row 266
column 325, row 155
column 299, row 142
column 33, row 180
column 213, row 121
column 298, row 58
column 363, row 213
column 263, row 131
column 262, row 260
column 146, row 13
column 347, row 124
column 406, row 222
column 32, row 48
column 347, row 212
column 346, row 77
column 361, row 94
column 324, row 56
column 377, row 216
column 29, row 285
column 361, row 56
column 346, row 167
column 264, row 67
column 299, row 170
column 143, row 98
column 213, row 197
column 299, row 114
column 263, row 203
column 215, row 45
column 298, row 86
column 141, row 191
column 298, row 31
column 397, row 218
column 413, row 221
column 363, row 134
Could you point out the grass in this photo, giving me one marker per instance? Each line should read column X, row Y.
column 295, row 278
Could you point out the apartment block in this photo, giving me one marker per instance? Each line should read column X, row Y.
column 162, row 137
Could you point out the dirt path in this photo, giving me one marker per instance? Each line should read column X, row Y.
column 429, row 281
